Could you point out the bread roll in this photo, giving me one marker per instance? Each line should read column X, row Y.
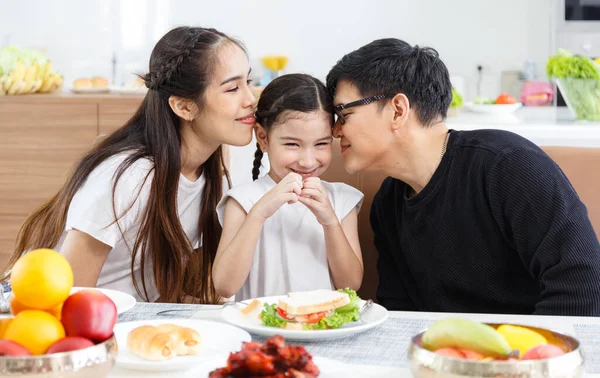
column 163, row 342
column 82, row 82
column 99, row 82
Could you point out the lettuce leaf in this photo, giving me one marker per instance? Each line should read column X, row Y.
column 457, row 100
column 564, row 64
column 270, row 318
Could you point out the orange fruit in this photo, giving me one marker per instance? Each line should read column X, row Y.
column 36, row 330
column 4, row 323
column 41, row 279
column 16, row 307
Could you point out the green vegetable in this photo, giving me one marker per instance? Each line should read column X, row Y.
column 457, row 100
column 341, row 315
column 566, row 65
column 270, row 318
column 578, row 78
column 483, row 101
column 10, row 55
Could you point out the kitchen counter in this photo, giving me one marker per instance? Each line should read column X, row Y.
column 545, row 126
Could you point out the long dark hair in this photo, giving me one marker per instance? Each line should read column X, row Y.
column 181, row 64
column 292, row 92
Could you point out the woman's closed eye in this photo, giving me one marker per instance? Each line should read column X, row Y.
column 291, row 144
column 248, row 82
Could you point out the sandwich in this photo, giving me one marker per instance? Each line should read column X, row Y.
column 316, row 309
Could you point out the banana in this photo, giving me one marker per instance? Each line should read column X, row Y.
column 3, row 83
column 30, row 73
column 521, row 338
column 48, row 83
column 16, row 87
column 466, row 334
column 36, row 85
column 19, row 72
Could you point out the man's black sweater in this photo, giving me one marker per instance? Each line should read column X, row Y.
column 498, row 229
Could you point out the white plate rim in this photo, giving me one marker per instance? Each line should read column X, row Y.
column 326, row 365
column 230, row 313
column 90, row 90
column 129, row 90
column 493, row 108
column 172, row 365
column 112, row 293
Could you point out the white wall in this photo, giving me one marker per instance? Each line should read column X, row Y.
column 81, row 36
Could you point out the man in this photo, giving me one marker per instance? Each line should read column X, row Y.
column 467, row 221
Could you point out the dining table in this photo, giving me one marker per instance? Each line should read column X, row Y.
column 378, row 352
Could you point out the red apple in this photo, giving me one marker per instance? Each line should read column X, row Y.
column 90, row 314
column 450, row 352
column 69, row 343
column 543, row 351
column 13, row 349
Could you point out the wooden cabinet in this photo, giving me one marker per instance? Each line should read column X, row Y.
column 41, row 138
column 114, row 114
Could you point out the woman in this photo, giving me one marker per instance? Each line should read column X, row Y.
column 139, row 205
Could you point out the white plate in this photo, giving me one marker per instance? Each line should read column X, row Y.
column 328, row 368
column 123, row 301
column 90, row 90
column 129, row 90
column 371, row 318
column 493, row 108
column 218, row 339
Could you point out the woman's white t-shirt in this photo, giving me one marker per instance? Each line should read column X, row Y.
column 91, row 211
column 290, row 254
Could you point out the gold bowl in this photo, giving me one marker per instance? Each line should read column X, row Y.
column 426, row 364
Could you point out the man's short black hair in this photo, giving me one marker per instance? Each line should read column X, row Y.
column 391, row 66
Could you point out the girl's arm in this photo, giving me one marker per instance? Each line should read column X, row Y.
column 236, row 248
column 241, row 232
column 343, row 252
column 86, row 256
column 341, row 239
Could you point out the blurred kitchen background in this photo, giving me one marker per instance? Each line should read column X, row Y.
column 493, row 49
column 85, row 38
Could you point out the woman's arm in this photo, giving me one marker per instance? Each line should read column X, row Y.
column 86, row 256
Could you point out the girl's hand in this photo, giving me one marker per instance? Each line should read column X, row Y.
column 287, row 190
column 314, row 196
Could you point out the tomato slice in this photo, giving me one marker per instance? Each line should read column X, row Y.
column 316, row 317
column 505, row 98
column 283, row 314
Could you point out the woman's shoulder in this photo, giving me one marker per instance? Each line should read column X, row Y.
column 131, row 172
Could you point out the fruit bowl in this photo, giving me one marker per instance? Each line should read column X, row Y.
column 427, row 364
column 93, row 362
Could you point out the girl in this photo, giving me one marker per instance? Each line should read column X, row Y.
column 290, row 231
column 141, row 203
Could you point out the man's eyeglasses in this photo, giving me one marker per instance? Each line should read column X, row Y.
column 365, row 101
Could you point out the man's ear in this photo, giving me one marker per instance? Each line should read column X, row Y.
column 184, row 108
column 261, row 137
column 400, row 107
